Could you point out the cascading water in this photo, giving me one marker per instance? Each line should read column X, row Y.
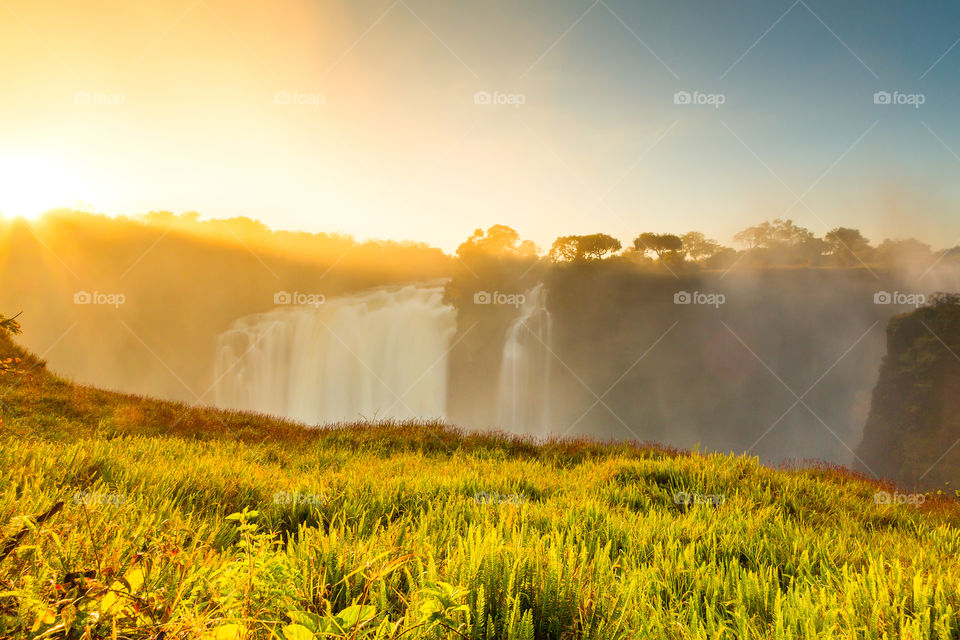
column 377, row 355
column 523, row 404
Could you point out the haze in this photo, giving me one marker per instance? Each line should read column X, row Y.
column 124, row 108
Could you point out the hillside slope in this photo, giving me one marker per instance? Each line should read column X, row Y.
column 151, row 519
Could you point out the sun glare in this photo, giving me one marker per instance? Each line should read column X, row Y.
column 32, row 185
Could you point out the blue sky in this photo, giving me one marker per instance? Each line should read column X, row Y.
column 398, row 147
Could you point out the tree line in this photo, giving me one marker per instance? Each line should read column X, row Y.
column 778, row 242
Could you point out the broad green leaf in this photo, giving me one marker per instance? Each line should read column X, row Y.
column 350, row 616
column 108, row 600
column 226, row 632
column 306, row 619
column 134, row 579
column 297, row 632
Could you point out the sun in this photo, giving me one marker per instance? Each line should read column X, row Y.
column 32, row 184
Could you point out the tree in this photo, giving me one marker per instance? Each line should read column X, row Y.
column 697, row 247
column 903, row 252
column 662, row 244
column 941, row 298
column 724, row 258
column 499, row 240
column 167, row 219
column 598, row 245
column 771, row 235
column 783, row 242
column 491, row 260
column 580, row 248
column 8, row 325
column 951, row 255
column 754, row 237
column 847, row 246
column 565, row 248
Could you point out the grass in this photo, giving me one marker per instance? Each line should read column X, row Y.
column 179, row 522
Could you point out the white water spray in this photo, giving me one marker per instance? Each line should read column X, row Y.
column 523, row 404
column 377, row 355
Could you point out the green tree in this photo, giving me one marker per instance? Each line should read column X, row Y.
column 661, row 244
column 754, row 237
column 782, row 242
column 581, row 248
column 724, row 258
column 9, row 325
column 950, row 255
column 772, row 235
column 847, row 246
column 909, row 251
column 698, row 247
column 498, row 240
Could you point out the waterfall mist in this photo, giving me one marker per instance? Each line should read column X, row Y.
column 523, row 399
column 377, row 355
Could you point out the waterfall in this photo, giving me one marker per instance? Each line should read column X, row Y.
column 378, row 355
column 523, row 404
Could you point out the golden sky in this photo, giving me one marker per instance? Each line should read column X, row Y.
column 182, row 105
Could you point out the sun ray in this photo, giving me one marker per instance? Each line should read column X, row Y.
column 32, row 184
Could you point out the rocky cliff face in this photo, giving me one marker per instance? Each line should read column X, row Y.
column 912, row 435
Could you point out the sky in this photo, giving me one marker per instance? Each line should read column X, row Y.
column 423, row 120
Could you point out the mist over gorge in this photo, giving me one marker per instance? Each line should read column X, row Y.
column 379, row 354
column 775, row 360
column 783, row 368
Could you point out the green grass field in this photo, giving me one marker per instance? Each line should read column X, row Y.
column 132, row 518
